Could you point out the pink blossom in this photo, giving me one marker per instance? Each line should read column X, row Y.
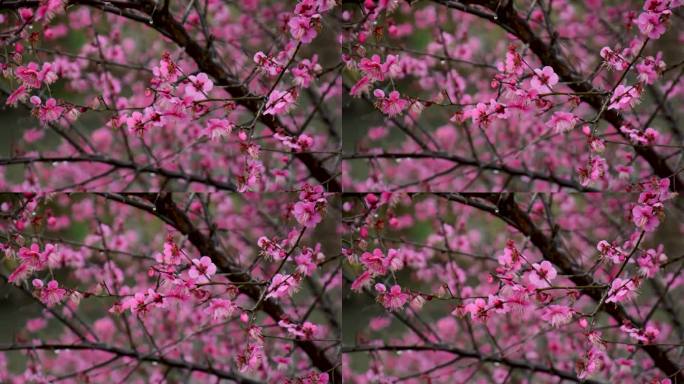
column 281, row 286
column 394, row 299
column 511, row 259
column 218, row 128
column 621, row 290
column 542, row 274
column 280, row 102
column 268, row 64
column 202, row 269
column 624, row 97
column 478, row 310
column 645, row 217
column 362, row 281
column 221, row 309
column 17, row 95
column 199, row 86
column 563, row 121
column 50, row 294
column 544, row 79
column 614, row 59
column 306, row 213
column 557, row 315
column 653, row 24
column 304, row 28
column 392, row 105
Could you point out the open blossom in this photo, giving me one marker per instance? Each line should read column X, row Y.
column 199, row 86
column 268, row 64
column 250, row 358
column 47, row 112
column 281, row 286
column 650, row 68
column 544, row 79
column 17, row 95
column 511, row 259
column 478, row 310
column 624, row 97
column 221, row 309
column 393, row 299
column 280, row 102
column 362, row 281
column 218, row 128
column 375, row 262
column 51, row 293
column 306, row 213
column 650, row 261
column 32, row 76
column 557, row 315
column 614, row 59
column 202, row 269
column 596, row 170
column 612, row 252
column 391, row 105
column 32, row 259
column 621, row 290
column 542, row 274
column 653, row 24
column 645, row 217
column 304, row 28
column 563, row 121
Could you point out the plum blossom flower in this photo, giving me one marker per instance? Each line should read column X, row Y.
column 48, row 112
column 391, row 105
column 304, row 28
column 614, row 59
column 199, row 86
column 596, row 170
column 305, row 71
column 624, row 97
column 280, row 102
column 32, row 76
column 557, row 315
column 362, row 281
column 375, row 262
column 653, row 24
column 544, row 79
column 621, row 290
column 268, row 64
column 511, row 259
column 612, row 252
column 542, row 274
column 250, row 358
column 281, row 285
column 563, row 121
column 49, row 294
column 218, row 128
column 478, row 310
column 202, row 269
column 221, row 309
column 17, row 95
column 645, row 217
column 306, row 213
column 392, row 300
column 650, row 261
